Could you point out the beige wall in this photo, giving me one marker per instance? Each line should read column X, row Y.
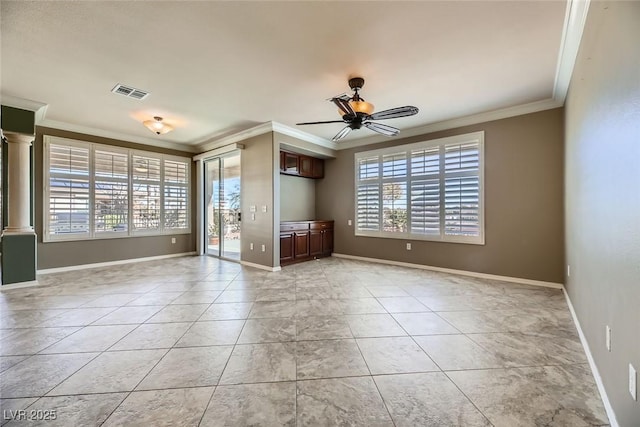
column 258, row 173
column 297, row 198
column 63, row 254
column 523, row 203
column 603, row 195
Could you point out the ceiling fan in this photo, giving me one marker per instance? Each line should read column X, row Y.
column 356, row 112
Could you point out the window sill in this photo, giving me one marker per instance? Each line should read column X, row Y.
column 110, row 237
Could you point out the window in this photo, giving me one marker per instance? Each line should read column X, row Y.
column 146, row 193
column 98, row 191
column 425, row 191
column 176, row 187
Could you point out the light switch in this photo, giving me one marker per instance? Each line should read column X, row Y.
column 264, row 208
column 253, row 217
column 252, row 208
column 349, row 222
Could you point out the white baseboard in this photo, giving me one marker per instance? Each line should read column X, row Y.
column 453, row 271
column 592, row 364
column 110, row 263
column 19, row 285
column 260, row 266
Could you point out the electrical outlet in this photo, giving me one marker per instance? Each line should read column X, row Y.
column 568, row 270
column 264, row 248
column 632, row 382
column 173, row 240
column 349, row 222
column 408, row 246
column 252, row 208
column 251, row 246
column 607, row 337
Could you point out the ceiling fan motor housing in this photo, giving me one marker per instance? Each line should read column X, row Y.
column 356, row 83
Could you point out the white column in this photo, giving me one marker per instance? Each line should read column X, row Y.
column 19, row 190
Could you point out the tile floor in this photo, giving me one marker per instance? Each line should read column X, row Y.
column 199, row 341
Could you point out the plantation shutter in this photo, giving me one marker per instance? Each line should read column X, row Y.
column 368, row 207
column 111, row 197
column 146, row 193
column 425, row 207
column 68, row 190
column 176, row 189
column 429, row 190
column 462, row 190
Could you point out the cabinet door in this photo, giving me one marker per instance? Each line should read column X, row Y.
column 300, row 244
column 286, row 247
column 327, row 241
column 282, row 161
column 291, row 163
column 306, row 166
column 318, row 168
column 315, row 242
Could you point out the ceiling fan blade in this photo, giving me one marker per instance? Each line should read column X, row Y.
column 344, row 132
column 395, row 112
column 341, row 96
column 319, row 123
column 344, row 106
column 383, row 129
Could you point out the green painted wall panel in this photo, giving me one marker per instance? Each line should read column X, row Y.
column 18, row 258
column 17, row 120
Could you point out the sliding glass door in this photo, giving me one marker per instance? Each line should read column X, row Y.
column 222, row 203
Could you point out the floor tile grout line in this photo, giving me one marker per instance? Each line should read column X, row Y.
column 468, row 398
column 155, row 365
column 65, row 378
column 372, row 379
column 206, row 408
column 295, row 319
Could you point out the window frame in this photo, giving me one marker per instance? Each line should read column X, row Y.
column 406, row 149
column 130, row 232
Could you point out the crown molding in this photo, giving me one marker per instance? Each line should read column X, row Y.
column 236, row 137
column 39, row 108
column 305, row 136
column 488, row 116
column 574, row 22
column 115, row 135
column 266, row 128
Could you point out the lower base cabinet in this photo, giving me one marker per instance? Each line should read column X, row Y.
column 305, row 240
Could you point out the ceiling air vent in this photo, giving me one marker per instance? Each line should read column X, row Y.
column 130, row 92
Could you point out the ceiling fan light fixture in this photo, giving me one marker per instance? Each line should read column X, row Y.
column 362, row 106
column 157, row 126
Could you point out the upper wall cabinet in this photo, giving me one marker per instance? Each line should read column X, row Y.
column 301, row 165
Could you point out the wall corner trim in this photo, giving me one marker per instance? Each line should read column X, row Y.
column 592, row 364
column 260, row 266
column 110, row 263
column 517, row 280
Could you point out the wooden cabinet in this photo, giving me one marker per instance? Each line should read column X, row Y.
column 286, row 247
column 290, row 163
column 301, row 165
column 315, row 243
column 305, row 240
column 318, row 168
column 300, row 244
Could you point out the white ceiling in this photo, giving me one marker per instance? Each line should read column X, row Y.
column 216, row 68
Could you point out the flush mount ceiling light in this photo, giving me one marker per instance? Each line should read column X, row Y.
column 157, row 126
